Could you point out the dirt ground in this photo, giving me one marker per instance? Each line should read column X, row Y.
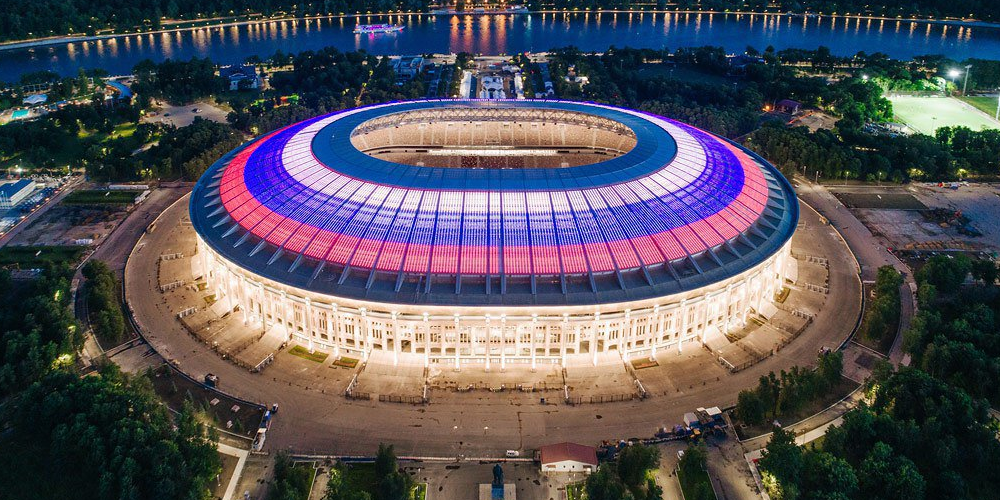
column 894, row 213
column 182, row 116
column 63, row 224
column 816, row 120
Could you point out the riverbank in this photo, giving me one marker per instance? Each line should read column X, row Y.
column 252, row 19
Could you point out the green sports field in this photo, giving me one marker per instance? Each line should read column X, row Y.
column 927, row 114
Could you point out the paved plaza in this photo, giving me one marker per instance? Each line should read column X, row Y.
column 486, row 419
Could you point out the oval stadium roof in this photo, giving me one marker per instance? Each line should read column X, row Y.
column 680, row 210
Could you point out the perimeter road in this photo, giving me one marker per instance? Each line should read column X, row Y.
column 871, row 254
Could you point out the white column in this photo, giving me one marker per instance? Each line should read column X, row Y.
column 728, row 305
column 337, row 328
column 562, row 338
column 706, row 304
column 683, row 326
column 760, row 291
column 427, row 343
column 534, row 330
column 309, row 323
column 625, row 345
column 503, row 342
column 657, row 321
column 244, row 303
column 329, row 327
column 285, row 313
column 365, row 334
column 594, row 336
column 458, row 340
column 395, row 339
column 488, row 342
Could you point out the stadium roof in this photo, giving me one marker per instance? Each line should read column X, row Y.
column 680, row 210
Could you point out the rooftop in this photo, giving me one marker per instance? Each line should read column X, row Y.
column 678, row 210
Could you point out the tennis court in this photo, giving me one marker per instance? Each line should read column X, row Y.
column 927, row 114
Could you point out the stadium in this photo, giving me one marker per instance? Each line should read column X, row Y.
column 494, row 232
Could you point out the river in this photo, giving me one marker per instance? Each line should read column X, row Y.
column 506, row 34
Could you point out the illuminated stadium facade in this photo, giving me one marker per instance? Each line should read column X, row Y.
column 494, row 232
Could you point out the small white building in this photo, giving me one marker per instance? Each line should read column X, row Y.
column 568, row 457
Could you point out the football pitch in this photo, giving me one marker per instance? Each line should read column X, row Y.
column 927, row 114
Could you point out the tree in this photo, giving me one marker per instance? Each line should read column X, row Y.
column 887, row 475
column 634, row 461
column 290, row 482
column 945, row 272
column 389, row 482
column 782, row 462
column 985, row 270
column 385, row 461
column 606, row 485
column 394, row 486
column 827, row 476
column 337, row 489
column 750, row 408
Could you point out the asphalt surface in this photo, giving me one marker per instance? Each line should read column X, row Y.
column 870, row 252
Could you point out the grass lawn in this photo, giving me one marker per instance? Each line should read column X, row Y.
column 122, row 130
column 987, row 105
column 304, row 353
column 689, row 485
column 33, row 256
column 927, row 114
column 346, row 362
column 419, row 492
column 100, row 197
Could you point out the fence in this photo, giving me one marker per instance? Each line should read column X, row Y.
column 393, row 398
column 600, row 398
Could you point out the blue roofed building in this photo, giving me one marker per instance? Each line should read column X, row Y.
column 13, row 193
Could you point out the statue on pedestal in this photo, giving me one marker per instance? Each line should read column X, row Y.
column 497, row 476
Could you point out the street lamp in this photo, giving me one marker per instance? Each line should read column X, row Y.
column 965, row 85
column 953, row 74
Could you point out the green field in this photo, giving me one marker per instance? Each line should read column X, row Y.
column 304, row 353
column 100, row 197
column 927, row 114
column 987, row 105
column 34, row 256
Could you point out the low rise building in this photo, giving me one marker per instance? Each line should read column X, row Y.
column 407, row 66
column 568, row 457
column 15, row 192
column 241, row 77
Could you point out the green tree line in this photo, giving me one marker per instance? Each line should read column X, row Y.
column 102, row 436
column 786, row 393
